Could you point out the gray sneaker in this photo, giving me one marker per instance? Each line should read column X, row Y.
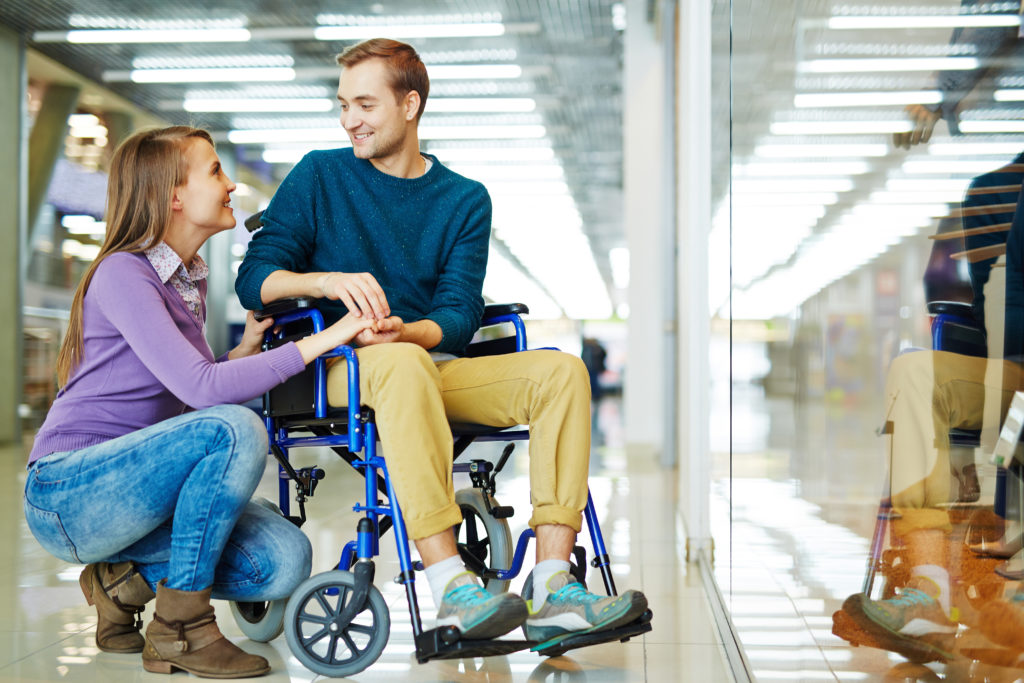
column 477, row 613
column 569, row 609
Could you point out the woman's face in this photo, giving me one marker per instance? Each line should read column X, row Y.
column 205, row 198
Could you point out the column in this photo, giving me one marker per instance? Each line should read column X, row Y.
column 12, row 228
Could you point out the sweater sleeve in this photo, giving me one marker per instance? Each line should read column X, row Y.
column 134, row 302
column 458, row 303
column 287, row 238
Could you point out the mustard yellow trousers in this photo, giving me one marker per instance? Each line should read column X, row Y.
column 414, row 399
column 927, row 394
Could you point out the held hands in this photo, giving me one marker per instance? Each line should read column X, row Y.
column 360, row 292
column 381, row 332
column 923, row 120
column 341, row 332
column 252, row 337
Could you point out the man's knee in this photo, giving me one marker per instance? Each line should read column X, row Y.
column 559, row 369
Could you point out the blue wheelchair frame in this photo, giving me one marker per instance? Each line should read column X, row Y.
column 357, row 443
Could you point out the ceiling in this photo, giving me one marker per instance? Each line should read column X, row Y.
column 569, row 59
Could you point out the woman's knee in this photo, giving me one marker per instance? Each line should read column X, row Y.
column 242, row 429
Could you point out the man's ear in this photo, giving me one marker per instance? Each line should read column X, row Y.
column 412, row 105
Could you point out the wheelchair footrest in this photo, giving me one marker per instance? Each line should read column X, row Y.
column 434, row 644
column 623, row 633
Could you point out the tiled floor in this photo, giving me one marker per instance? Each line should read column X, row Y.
column 48, row 629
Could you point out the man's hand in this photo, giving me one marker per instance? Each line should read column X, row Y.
column 360, row 293
column 252, row 337
column 385, row 331
column 923, row 120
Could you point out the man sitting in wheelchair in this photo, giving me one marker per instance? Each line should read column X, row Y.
column 388, row 233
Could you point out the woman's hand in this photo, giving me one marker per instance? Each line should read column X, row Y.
column 341, row 332
column 252, row 337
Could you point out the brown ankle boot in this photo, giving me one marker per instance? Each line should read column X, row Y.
column 184, row 635
column 120, row 594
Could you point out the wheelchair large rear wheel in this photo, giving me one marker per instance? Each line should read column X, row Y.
column 260, row 621
column 485, row 538
column 323, row 644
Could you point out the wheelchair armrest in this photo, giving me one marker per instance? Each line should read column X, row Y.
column 276, row 308
column 495, row 310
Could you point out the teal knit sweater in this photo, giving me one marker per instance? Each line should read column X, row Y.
column 424, row 239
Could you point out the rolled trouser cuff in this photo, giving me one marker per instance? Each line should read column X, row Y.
column 557, row 514
column 433, row 523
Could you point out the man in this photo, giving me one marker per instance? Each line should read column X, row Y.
column 387, row 232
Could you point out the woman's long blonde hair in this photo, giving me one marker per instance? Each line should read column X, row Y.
column 144, row 171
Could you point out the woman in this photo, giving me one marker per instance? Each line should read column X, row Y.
column 143, row 468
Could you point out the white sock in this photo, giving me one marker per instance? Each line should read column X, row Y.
column 541, row 573
column 441, row 573
column 940, row 577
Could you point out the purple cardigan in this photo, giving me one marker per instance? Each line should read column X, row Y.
column 146, row 360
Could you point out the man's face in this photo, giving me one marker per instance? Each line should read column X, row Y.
column 376, row 123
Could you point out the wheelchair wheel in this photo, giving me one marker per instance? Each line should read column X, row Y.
column 260, row 621
column 325, row 646
column 485, row 537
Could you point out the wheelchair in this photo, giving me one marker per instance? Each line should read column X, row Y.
column 337, row 622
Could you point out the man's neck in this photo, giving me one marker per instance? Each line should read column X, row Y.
column 408, row 163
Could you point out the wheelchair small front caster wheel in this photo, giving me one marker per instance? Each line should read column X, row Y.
column 322, row 644
column 260, row 621
column 450, row 635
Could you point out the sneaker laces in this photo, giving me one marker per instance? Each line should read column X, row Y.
column 469, row 595
column 575, row 592
column 911, row 596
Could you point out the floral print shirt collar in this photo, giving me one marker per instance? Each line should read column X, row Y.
column 170, row 268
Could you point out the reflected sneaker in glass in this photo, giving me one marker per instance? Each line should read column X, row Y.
column 912, row 624
column 569, row 609
column 477, row 613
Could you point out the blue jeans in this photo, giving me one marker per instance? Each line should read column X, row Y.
column 175, row 499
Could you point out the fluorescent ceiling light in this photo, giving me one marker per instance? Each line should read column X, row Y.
column 483, row 29
column 949, row 166
column 227, row 75
column 265, row 135
column 775, row 199
column 800, row 168
column 269, row 104
column 211, row 61
column 826, row 150
column 973, row 148
column 492, row 154
column 986, row 126
column 948, row 21
column 129, row 22
column 826, row 66
column 927, row 184
column 473, row 71
column 840, row 127
column 1009, row 95
column 915, row 197
column 83, row 225
column 193, row 35
column 795, row 185
column 488, row 172
column 445, row 105
column 868, row 99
